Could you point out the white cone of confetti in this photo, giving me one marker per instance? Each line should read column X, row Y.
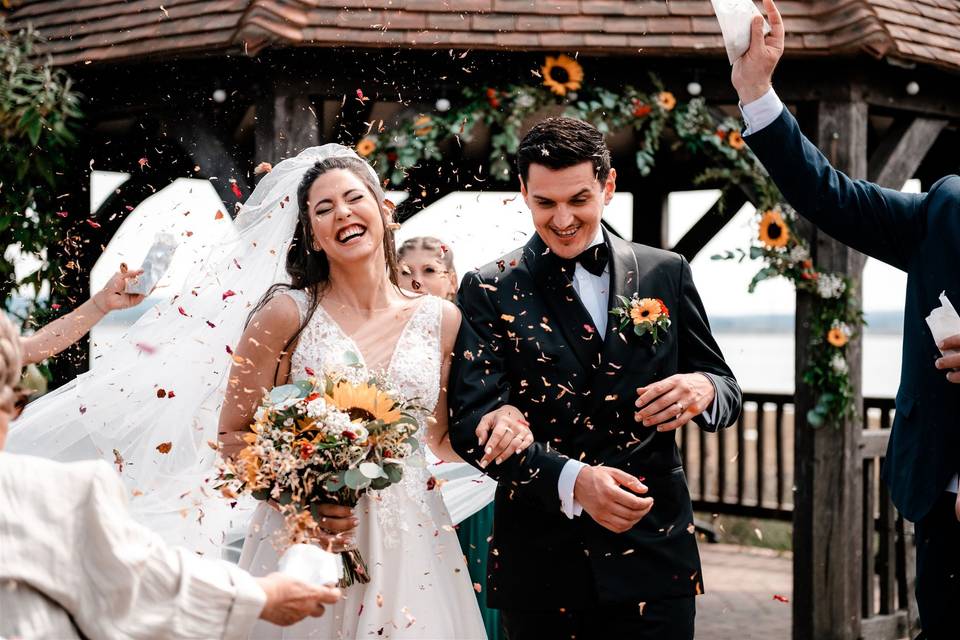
column 154, row 265
column 735, row 17
column 312, row 565
column 944, row 321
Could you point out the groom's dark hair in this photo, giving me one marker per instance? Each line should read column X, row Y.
column 563, row 142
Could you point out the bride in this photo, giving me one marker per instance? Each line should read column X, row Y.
column 344, row 306
column 319, row 221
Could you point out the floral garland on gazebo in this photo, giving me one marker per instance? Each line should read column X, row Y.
column 504, row 109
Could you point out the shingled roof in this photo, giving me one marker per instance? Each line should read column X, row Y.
column 926, row 31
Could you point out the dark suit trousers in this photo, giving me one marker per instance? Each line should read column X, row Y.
column 938, row 570
column 662, row 620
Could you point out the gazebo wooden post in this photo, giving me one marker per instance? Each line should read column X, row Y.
column 286, row 124
column 827, row 523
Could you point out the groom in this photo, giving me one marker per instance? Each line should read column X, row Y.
column 593, row 532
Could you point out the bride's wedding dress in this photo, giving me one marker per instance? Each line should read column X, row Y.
column 419, row 586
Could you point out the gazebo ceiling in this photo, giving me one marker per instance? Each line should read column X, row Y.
column 925, row 31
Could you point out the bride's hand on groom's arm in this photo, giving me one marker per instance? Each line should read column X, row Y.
column 503, row 432
column 599, row 491
column 673, row 402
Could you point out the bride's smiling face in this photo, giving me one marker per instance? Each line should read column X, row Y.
column 345, row 218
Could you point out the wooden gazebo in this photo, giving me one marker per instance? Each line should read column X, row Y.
column 209, row 88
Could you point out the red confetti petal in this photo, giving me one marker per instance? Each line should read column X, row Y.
column 171, row 394
column 143, row 162
column 310, row 372
column 165, row 447
column 55, row 306
column 182, row 312
column 236, row 190
column 780, row 598
column 588, row 328
column 229, row 350
column 218, row 215
column 62, row 214
column 228, row 293
column 210, row 324
column 95, row 225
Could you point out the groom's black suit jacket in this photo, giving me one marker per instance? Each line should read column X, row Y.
column 527, row 340
column 919, row 234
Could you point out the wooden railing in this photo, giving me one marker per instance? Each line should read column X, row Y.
column 748, row 471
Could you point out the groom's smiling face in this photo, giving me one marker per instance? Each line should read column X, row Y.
column 567, row 204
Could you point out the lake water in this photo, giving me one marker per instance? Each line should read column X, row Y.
column 765, row 362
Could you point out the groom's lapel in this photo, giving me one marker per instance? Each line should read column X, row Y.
column 567, row 312
column 623, row 282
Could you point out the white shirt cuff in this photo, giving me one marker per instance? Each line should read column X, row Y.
column 248, row 603
column 954, row 485
column 565, row 485
column 761, row 112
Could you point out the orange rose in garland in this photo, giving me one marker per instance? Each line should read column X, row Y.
column 735, row 140
column 666, row 100
column 365, row 147
column 646, row 315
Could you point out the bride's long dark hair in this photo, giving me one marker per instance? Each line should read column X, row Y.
column 309, row 269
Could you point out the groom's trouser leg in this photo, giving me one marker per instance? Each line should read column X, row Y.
column 938, row 570
column 671, row 619
column 542, row 625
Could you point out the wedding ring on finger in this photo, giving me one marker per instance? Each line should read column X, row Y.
column 680, row 409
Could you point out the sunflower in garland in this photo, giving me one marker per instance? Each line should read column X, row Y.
column 364, row 402
column 562, row 74
column 774, row 232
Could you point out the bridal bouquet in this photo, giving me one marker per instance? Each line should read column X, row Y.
column 327, row 439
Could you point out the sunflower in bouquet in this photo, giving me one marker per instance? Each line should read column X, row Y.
column 327, row 439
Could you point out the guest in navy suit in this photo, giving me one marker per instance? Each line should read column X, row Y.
column 920, row 234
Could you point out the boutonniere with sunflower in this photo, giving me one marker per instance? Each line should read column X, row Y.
column 647, row 315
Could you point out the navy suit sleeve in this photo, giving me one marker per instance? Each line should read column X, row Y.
column 698, row 352
column 882, row 223
column 479, row 383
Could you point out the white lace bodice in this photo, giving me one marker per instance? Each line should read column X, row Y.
column 414, row 367
column 413, row 370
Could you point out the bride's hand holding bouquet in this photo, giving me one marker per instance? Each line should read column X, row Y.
column 316, row 447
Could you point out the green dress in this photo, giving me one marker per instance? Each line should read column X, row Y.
column 474, row 534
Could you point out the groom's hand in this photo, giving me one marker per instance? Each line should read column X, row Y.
column 599, row 491
column 674, row 401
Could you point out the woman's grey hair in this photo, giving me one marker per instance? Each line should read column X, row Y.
column 10, row 358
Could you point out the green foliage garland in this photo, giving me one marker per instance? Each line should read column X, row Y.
column 650, row 113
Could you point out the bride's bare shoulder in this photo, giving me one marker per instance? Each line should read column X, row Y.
column 279, row 317
column 449, row 319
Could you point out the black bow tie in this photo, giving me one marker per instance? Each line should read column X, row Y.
column 594, row 259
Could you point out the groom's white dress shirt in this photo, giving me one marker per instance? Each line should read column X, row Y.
column 594, row 293
column 73, row 562
column 758, row 115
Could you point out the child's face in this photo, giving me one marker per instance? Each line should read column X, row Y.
column 423, row 271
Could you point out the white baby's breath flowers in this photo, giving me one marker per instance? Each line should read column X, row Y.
column 798, row 253
column 830, row 285
column 839, row 364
